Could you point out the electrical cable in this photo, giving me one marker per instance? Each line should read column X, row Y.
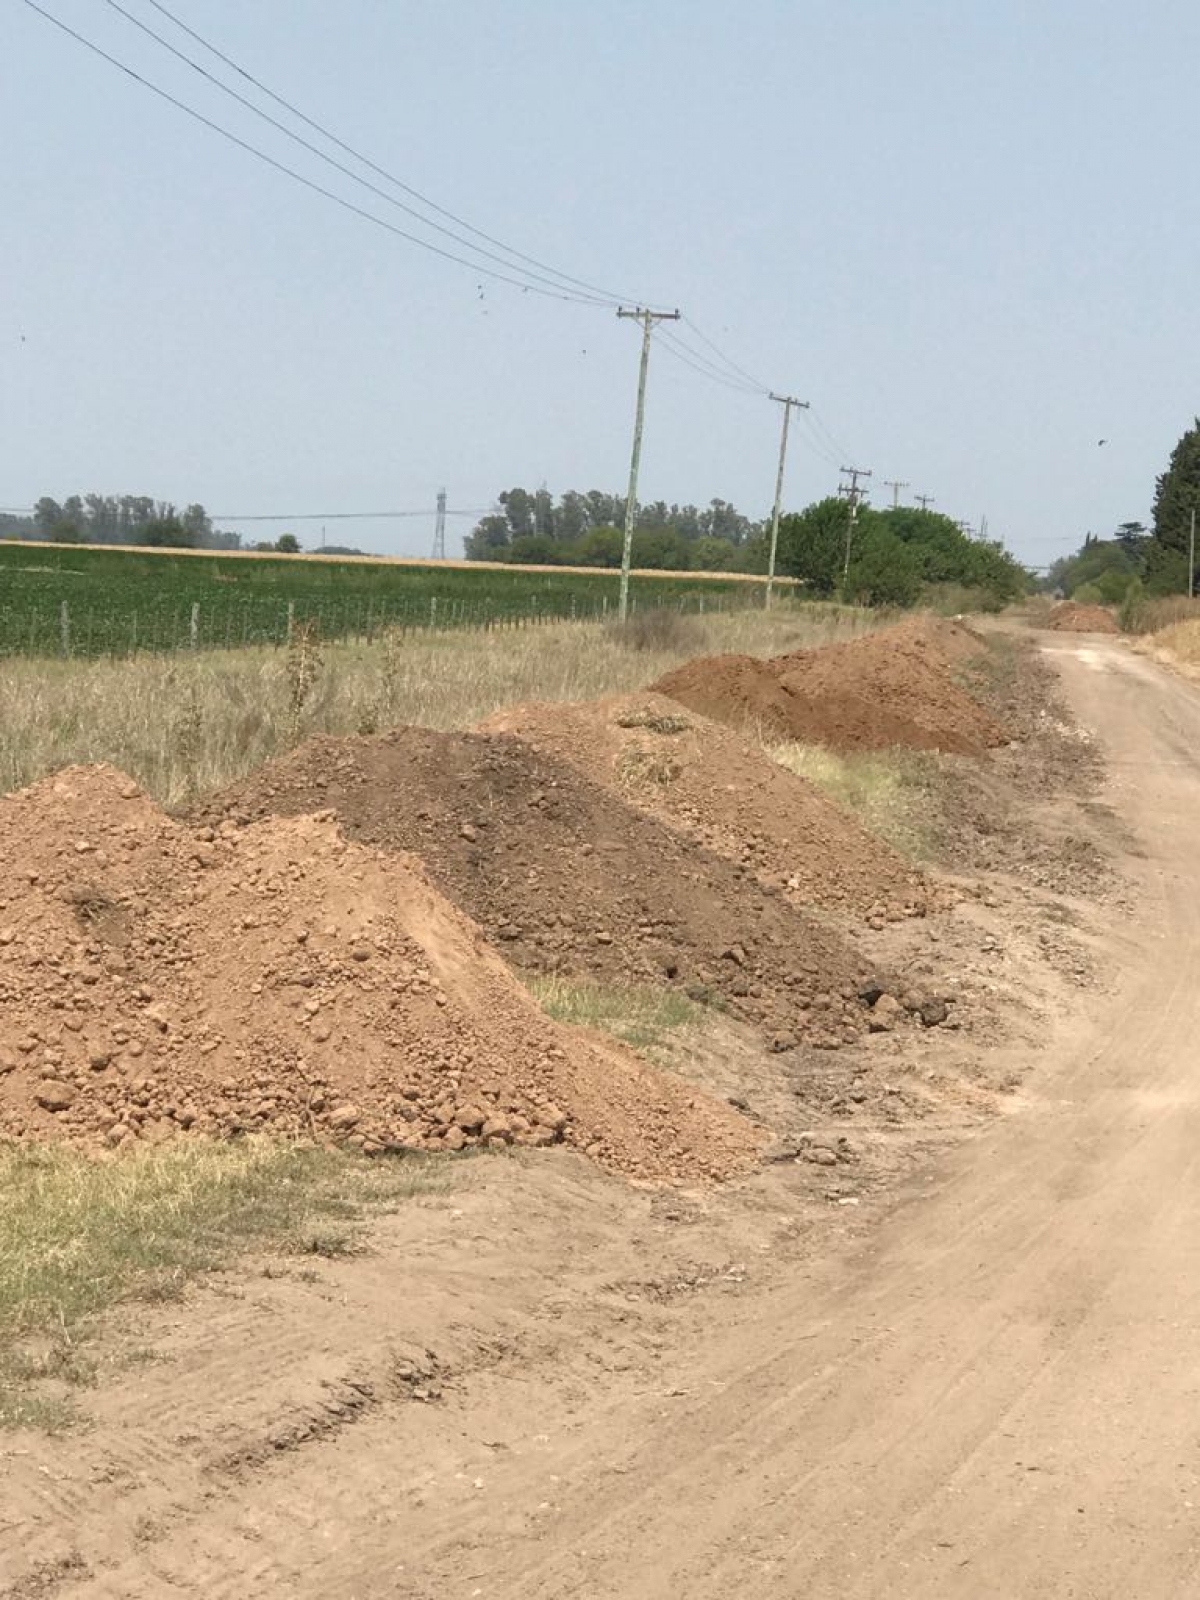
column 298, row 177
column 382, row 172
column 331, row 161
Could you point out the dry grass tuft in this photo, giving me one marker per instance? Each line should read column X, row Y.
column 1181, row 640
column 185, row 726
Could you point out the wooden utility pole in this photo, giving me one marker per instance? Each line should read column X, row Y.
column 647, row 320
column 895, row 485
column 924, row 501
column 1192, row 558
column 851, row 491
column 787, row 402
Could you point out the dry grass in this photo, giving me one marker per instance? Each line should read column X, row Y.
column 80, row 1234
column 639, row 1016
column 891, row 792
column 184, row 726
column 1181, row 640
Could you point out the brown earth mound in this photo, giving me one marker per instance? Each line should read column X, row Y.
column 567, row 878
column 155, row 979
column 704, row 778
column 893, row 687
column 1071, row 617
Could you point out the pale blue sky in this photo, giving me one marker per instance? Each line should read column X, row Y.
column 967, row 232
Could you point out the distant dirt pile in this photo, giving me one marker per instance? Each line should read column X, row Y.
column 1069, row 616
column 893, row 687
column 566, row 878
column 155, row 979
column 706, row 779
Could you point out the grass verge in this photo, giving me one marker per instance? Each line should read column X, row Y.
column 79, row 1235
column 639, row 1016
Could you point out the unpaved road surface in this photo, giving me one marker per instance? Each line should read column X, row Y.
column 994, row 1393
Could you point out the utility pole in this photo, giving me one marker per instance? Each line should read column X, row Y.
column 439, row 528
column 964, row 527
column 895, row 485
column 1192, row 558
column 647, row 320
column 924, row 501
column 850, row 491
column 787, row 402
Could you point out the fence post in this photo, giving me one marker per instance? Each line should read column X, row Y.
column 433, row 611
column 64, row 626
column 194, row 632
column 291, row 619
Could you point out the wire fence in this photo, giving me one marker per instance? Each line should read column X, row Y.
column 72, row 629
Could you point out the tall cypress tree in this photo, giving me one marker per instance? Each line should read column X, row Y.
column 1177, row 495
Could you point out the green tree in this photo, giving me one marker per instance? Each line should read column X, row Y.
column 46, row 515
column 288, row 544
column 812, row 544
column 884, row 570
column 1177, row 496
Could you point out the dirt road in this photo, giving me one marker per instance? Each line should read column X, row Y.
column 994, row 1394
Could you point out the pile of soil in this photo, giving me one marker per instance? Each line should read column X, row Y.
column 155, row 978
column 893, row 687
column 566, row 878
column 1069, row 616
column 706, row 779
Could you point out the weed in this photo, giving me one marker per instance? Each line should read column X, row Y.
column 303, row 670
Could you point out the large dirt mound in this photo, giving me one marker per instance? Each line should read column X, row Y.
column 705, row 778
column 892, row 687
column 1069, row 616
column 567, row 878
column 154, row 978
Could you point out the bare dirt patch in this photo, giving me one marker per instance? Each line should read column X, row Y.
column 157, row 980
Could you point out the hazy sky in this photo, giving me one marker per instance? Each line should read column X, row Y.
column 966, row 231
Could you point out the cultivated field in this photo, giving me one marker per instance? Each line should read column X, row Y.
column 88, row 601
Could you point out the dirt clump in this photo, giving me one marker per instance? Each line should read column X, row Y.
column 566, row 878
column 894, row 687
column 157, row 979
column 1071, row 616
column 725, row 792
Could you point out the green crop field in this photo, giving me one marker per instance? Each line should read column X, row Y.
column 70, row 600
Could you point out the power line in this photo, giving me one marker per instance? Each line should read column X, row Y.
column 299, row 177
column 605, row 294
column 340, row 516
column 701, row 364
column 331, row 161
column 741, row 372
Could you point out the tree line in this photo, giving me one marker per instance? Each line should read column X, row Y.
column 586, row 529
column 1134, row 558
column 129, row 519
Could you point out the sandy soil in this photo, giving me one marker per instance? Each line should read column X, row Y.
column 937, row 1367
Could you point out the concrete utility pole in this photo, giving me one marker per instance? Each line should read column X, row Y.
column 850, row 491
column 895, row 485
column 647, row 320
column 924, row 501
column 787, row 402
column 439, row 528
